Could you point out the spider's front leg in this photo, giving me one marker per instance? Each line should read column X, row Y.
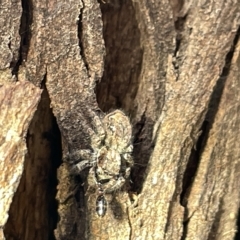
column 127, row 159
column 116, row 183
column 81, row 159
column 76, row 169
column 108, row 184
column 113, row 185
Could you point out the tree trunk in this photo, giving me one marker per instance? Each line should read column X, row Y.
column 172, row 66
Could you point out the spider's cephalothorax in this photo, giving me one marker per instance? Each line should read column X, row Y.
column 110, row 158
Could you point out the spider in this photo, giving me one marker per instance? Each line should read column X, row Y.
column 110, row 158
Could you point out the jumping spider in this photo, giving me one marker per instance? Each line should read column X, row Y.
column 110, row 158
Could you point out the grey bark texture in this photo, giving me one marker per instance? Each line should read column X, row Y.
column 172, row 66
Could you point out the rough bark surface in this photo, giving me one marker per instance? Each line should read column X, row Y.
column 172, row 67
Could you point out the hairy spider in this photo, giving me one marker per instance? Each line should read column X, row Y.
column 110, row 158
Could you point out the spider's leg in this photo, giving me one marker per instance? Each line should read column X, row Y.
column 76, row 169
column 80, row 160
column 113, row 185
column 127, row 172
column 78, row 155
column 92, row 180
column 128, row 159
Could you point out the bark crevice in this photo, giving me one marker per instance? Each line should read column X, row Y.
column 38, row 185
column 25, row 35
column 80, row 36
column 123, row 61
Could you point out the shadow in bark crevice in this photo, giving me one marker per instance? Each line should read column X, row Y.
column 120, row 81
column 143, row 147
column 25, row 34
column 80, row 33
column 33, row 212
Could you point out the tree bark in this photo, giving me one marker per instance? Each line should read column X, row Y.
column 171, row 66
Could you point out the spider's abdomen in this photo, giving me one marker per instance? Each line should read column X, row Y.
column 101, row 205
